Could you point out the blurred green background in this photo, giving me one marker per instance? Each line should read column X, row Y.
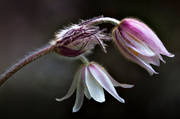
column 26, row 25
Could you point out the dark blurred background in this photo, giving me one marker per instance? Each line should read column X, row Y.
column 29, row 24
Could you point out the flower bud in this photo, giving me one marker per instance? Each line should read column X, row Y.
column 138, row 43
column 79, row 38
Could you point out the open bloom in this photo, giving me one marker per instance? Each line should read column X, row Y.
column 139, row 43
column 79, row 38
column 90, row 81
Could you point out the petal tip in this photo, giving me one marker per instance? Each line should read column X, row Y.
column 58, row 99
column 129, row 86
column 171, row 55
column 101, row 101
column 74, row 110
column 152, row 73
column 122, row 100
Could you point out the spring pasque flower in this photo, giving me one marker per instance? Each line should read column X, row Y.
column 90, row 81
column 138, row 43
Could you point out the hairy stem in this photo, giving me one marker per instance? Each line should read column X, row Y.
column 26, row 60
column 105, row 20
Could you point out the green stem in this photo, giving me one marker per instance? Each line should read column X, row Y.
column 84, row 59
column 105, row 20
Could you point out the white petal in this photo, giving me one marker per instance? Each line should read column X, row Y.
column 95, row 90
column 161, row 58
column 86, row 93
column 152, row 60
column 115, row 83
column 123, row 85
column 104, row 81
column 146, row 65
column 137, row 45
column 79, row 96
column 72, row 88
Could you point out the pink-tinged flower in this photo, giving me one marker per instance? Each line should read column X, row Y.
column 79, row 38
column 90, row 81
column 138, row 43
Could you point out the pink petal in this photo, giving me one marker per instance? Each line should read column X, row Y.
column 137, row 45
column 145, row 34
column 122, row 47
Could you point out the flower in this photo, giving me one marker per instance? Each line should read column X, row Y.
column 79, row 38
column 138, row 43
column 90, row 81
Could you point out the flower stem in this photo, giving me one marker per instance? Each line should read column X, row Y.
column 26, row 60
column 105, row 20
column 84, row 60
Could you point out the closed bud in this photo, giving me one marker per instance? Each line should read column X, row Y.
column 79, row 38
column 138, row 43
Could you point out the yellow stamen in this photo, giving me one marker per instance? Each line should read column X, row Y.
column 133, row 51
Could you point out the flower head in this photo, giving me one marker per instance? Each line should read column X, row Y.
column 139, row 43
column 79, row 38
column 90, row 81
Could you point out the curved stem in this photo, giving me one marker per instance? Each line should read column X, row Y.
column 105, row 20
column 84, row 60
column 26, row 60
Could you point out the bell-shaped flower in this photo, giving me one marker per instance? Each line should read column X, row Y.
column 90, row 80
column 138, row 43
column 79, row 38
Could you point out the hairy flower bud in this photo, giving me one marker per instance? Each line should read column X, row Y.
column 138, row 43
column 77, row 39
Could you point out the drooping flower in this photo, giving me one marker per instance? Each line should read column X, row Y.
column 90, row 81
column 79, row 38
column 138, row 43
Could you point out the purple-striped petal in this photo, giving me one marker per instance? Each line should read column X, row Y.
column 136, row 45
column 119, row 40
column 145, row 34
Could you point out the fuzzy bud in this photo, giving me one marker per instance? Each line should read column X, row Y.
column 80, row 38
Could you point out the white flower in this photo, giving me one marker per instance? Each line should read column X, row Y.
column 90, row 81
